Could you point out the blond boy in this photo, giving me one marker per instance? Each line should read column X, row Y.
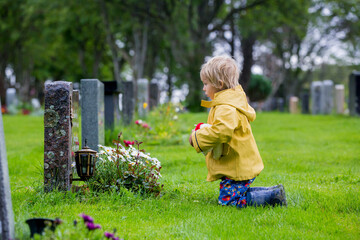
column 230, row 116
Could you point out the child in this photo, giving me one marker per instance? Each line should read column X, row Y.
column 230, row 116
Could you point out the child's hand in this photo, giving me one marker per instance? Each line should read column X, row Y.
column 190, row 140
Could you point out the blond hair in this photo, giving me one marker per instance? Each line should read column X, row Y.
column 221, row 68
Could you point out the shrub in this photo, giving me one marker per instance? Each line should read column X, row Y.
column 126, row 166
column 259, row 88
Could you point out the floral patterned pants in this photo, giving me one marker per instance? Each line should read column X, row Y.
column 233, row 193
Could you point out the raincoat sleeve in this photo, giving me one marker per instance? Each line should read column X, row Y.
column 226, row 120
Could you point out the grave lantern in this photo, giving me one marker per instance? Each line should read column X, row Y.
column 85, row 160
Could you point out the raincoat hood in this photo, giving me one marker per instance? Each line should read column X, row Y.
column 232, row 97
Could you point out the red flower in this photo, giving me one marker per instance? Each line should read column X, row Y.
column 128, row 143
column 145, row 125
column 198, row 126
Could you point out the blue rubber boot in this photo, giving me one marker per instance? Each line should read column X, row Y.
column 272, row 197
column 253, row 189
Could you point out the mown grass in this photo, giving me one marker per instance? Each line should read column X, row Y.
column 316, row 158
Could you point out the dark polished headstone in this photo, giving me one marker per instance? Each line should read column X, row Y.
column 112, row 112
column 57, row 137
column 354, row 93
column 128, row 102
column 154, row 95
column 6, row 211
column 304, row 96
column 316, row 97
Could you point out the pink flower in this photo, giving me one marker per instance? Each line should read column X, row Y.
column 128, row 143
column 145, row 125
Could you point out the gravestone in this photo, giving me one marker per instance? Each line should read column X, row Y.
column 112, row 112
column 57, row 136
column 316, row 97
column 293, row 104
column 354, row 93
column 92, row 110
column 339, row 98
column 6, row 212
column 280, row 104
column 327, row 97
column 75, row 126
column 154, row 95
column 128, row 102
column 11, row 98
column 304, row 102
column 142, row 97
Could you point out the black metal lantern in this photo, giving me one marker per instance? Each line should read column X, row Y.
column 85, row 160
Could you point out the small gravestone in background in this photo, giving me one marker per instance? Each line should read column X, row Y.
column 280, row 104
column 6, row 212
column 75, row 124
column 57, row 137
column 154, row 95
column 92, row 109
column 11, row 98
column 293, row 105
column 143, row 97
column 327, row 97
column 112, row 112
column 339, row 98
column 304, row 96
column 354, row 93
column 128, row 102
column 316, row 97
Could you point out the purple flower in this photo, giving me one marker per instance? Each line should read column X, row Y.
column 87, row 219
column 109, row 235
column 92, row 226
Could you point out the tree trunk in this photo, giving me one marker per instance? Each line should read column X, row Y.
column 110, row 40
column 247, row 47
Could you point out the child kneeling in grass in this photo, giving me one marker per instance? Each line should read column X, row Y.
column 230, row 116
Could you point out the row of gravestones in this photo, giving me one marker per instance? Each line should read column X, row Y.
column 324, row 98
column 62, row 133
column 99, row 102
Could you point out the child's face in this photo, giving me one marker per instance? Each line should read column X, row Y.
column 209, row 89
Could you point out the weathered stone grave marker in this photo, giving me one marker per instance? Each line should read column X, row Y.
column 339, row 98
column 316, row 97
column 354, row 93
column 92, row 109
column 327, row 97
column 304, row 96
column 293, row 104
column 143, row 97
column 11, row 98
column 57, row 136
column 6, row 212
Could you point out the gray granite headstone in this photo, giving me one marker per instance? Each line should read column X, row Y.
column 154, row 95
column 92, row 113
column 11, row 98
column 112, row 112
column 128, row 102
column 354, row 93
column 316, row 97
column 75, row 125
column 327, row 97
column 6, row 211
column 339, row 98
column 57, row 136
column 280, row 104
column 143, row 97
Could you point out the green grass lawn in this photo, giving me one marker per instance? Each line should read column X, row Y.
column 316, row 158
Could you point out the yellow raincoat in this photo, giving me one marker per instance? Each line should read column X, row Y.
column 230, row 116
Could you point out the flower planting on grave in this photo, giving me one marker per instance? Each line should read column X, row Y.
column 126, row 167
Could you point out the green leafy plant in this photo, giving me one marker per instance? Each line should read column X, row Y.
column 259, row 88
column 126, row 166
